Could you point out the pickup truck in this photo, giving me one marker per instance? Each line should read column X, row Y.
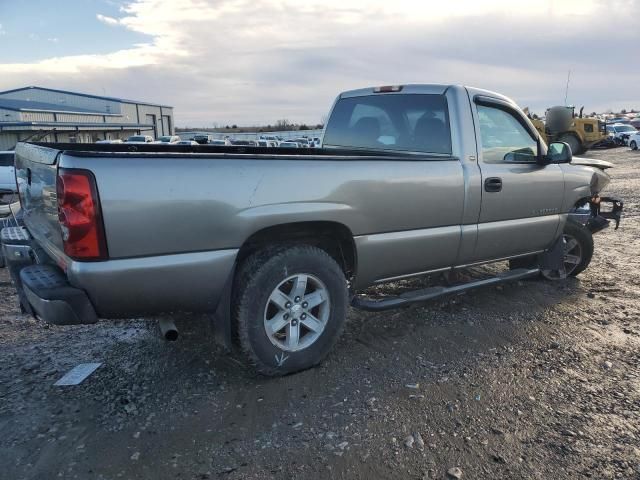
column 277, row 244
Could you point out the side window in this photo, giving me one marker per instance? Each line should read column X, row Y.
column 504, row 139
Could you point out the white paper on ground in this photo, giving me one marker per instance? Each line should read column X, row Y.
column 77, row 374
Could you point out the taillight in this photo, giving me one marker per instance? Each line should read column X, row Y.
column 80, row 216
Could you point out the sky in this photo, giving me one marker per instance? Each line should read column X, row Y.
column 245, row 62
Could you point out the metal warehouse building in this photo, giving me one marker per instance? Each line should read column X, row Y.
column 48, row 115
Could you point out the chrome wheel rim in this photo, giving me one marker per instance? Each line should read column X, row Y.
column 297, row 312
column 572, row 257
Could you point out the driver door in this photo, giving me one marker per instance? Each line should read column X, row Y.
column 521, row 199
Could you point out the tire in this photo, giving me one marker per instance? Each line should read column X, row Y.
column 579, row 256
column 265, row 298
column 585, row 239
column 578, row 250
column 633, row 145
column 574, row 144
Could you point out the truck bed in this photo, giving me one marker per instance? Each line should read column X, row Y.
column 221, row 151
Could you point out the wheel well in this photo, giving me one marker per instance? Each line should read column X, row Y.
column 332, row 237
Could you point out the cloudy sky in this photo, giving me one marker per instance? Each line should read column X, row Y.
column 246, row 62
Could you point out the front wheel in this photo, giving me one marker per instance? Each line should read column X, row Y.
column 633, row 145
column 290, row 306
column 577, row 246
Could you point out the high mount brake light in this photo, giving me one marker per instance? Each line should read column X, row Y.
column 387, row 89
column 80, row 215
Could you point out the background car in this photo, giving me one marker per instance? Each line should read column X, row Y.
column 289, row 145
column 109, row 141
column 140, row 139
column 634, row 141
column 8, row 189
column 217, row 141
column 168, row 139
column 621, row 132
column 185, row 142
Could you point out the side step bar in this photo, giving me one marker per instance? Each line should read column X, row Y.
column 425, row 294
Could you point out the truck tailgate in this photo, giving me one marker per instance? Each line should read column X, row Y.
column 36, row 172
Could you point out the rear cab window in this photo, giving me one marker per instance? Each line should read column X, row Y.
column 399, row 122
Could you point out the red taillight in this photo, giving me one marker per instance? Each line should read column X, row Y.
column 80, row 216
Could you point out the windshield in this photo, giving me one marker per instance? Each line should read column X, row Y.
column 136, row 138
column 625, row 128
column 165, row 139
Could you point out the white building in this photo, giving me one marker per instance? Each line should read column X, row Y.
column 48, row 115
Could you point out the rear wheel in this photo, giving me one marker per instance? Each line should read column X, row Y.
column 633, row 145
column 290, row 306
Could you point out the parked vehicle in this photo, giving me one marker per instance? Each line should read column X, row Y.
column 411, row 180
column 289, row 144
column 140, row 139
column 109, row 141
column 217, row 141
column 246, row 143
column 7, row 172
column 621, row 132
column 186, row 142
column 634, row 140
column 561, row 124
column 267, row 143
column 202, row 139
column 8, row 190
column 168, row 139
column 303, row 142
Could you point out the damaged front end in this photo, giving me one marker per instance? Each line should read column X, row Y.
column 596, row 218
column 593, row 211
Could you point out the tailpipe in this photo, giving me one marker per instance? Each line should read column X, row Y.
column 168, row 329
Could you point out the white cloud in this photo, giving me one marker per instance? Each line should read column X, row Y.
column 2, row 30
column 107, row 20
column 53, row 39
column 228, row 61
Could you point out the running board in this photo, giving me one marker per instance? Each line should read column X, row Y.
column 425, row 294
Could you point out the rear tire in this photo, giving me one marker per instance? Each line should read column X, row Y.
column 290, row 306
column 574, row 143
column 633, row 145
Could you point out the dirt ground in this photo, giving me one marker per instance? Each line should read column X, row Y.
column 531, row 380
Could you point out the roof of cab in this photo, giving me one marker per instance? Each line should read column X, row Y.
column 424, row 89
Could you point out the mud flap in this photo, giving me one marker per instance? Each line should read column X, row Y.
column 222, row 316
column 553, row 259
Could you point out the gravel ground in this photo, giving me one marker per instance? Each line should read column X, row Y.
column 534, row 380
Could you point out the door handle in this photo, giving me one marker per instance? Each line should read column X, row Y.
column 493, row 184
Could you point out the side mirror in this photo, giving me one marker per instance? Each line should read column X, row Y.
column 559, row 152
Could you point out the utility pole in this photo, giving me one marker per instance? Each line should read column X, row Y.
column 566, row 91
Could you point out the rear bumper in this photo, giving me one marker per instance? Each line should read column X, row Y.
column 52, row 298
column 191, row 282
column 43, row 290
column 124, row 288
